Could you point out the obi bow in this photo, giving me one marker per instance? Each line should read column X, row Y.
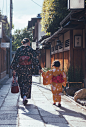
column 58, row 79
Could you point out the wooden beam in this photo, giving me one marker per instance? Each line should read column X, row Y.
column 71, row 59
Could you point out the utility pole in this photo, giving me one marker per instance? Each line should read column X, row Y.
column 0, row 37
column 11, row 8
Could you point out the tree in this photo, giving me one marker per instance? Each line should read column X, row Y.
column 53, row 11
column 19, row 35
column 6, row 25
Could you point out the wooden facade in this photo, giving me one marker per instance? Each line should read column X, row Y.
column 4, row 58
column 71, row 55
column 72, row 49
column 2, row 62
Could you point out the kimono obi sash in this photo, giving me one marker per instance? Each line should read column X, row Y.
column 58, row 79
column 24, row 60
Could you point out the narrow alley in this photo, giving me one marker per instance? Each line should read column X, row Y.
column 40, row 111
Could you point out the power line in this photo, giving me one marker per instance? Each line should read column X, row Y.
column 3, row 7
column 6, row 7
column 36, row 3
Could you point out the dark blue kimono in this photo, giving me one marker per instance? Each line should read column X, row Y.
column 24, row 63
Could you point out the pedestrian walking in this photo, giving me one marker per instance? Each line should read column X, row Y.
column 23, row 63
column 56, row 77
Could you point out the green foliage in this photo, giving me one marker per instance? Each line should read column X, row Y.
column 45, row 69
column 6, row 26
column 19, row 35
column 75, row 74
column 53, row 11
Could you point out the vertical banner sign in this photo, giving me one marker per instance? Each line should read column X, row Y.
column 0, row 29
column 34, row 45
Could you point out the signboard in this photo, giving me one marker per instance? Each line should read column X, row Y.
column 0, row 29
column 34, row 45
column 5, row 45
column 76, row 4
column 77, row 41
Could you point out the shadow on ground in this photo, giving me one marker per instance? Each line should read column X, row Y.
column 49, row 118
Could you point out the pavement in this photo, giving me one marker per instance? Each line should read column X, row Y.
column 40, row 111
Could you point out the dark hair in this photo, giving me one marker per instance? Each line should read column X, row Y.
column 56, row 64
column 25, row 40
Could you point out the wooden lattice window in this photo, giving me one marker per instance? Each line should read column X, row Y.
column 67, row 43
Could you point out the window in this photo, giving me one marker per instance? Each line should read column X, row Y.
column 67, row 43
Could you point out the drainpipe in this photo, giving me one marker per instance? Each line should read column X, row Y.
column 0, row 56
column 0, row 43
column 63, row 51
column 45, row 57
column 50, row 56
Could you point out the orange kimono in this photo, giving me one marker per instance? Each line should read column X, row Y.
column 56, row 78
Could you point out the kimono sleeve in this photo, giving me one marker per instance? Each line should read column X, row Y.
column 47, row 77
column 14, row 63
column 65, row 79
column 35, row 61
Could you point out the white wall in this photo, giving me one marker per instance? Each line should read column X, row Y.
column 40, row 33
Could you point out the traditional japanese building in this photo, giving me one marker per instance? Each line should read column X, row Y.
column 4, row 50
column 68, row 44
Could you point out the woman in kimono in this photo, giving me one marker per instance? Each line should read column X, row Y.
column 56, row 78
column 23, row 63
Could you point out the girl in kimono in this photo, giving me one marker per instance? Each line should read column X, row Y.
column 24, row 62
column 56, row 78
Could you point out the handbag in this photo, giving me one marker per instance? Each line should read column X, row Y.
column 14, row 85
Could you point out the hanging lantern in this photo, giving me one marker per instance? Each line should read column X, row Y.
column 58, row 42
column 76, row 4
column 0, row 29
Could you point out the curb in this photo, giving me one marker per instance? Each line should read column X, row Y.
column 7, row 76
column 69, row 98
column 2, row 80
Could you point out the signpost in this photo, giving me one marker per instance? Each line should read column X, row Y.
column 34, row 45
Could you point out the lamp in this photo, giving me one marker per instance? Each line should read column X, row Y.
column 58, row 42
column 76, row 4
column 40, row 46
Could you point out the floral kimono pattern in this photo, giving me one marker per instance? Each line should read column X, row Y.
column 56, row 78
column 24, row 62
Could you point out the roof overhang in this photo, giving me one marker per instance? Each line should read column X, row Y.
column 33, row 21
column 76, row 22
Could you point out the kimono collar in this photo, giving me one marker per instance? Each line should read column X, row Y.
column 57, row 68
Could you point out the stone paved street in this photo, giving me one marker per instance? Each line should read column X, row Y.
column 39, row 111
column 8, row 104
